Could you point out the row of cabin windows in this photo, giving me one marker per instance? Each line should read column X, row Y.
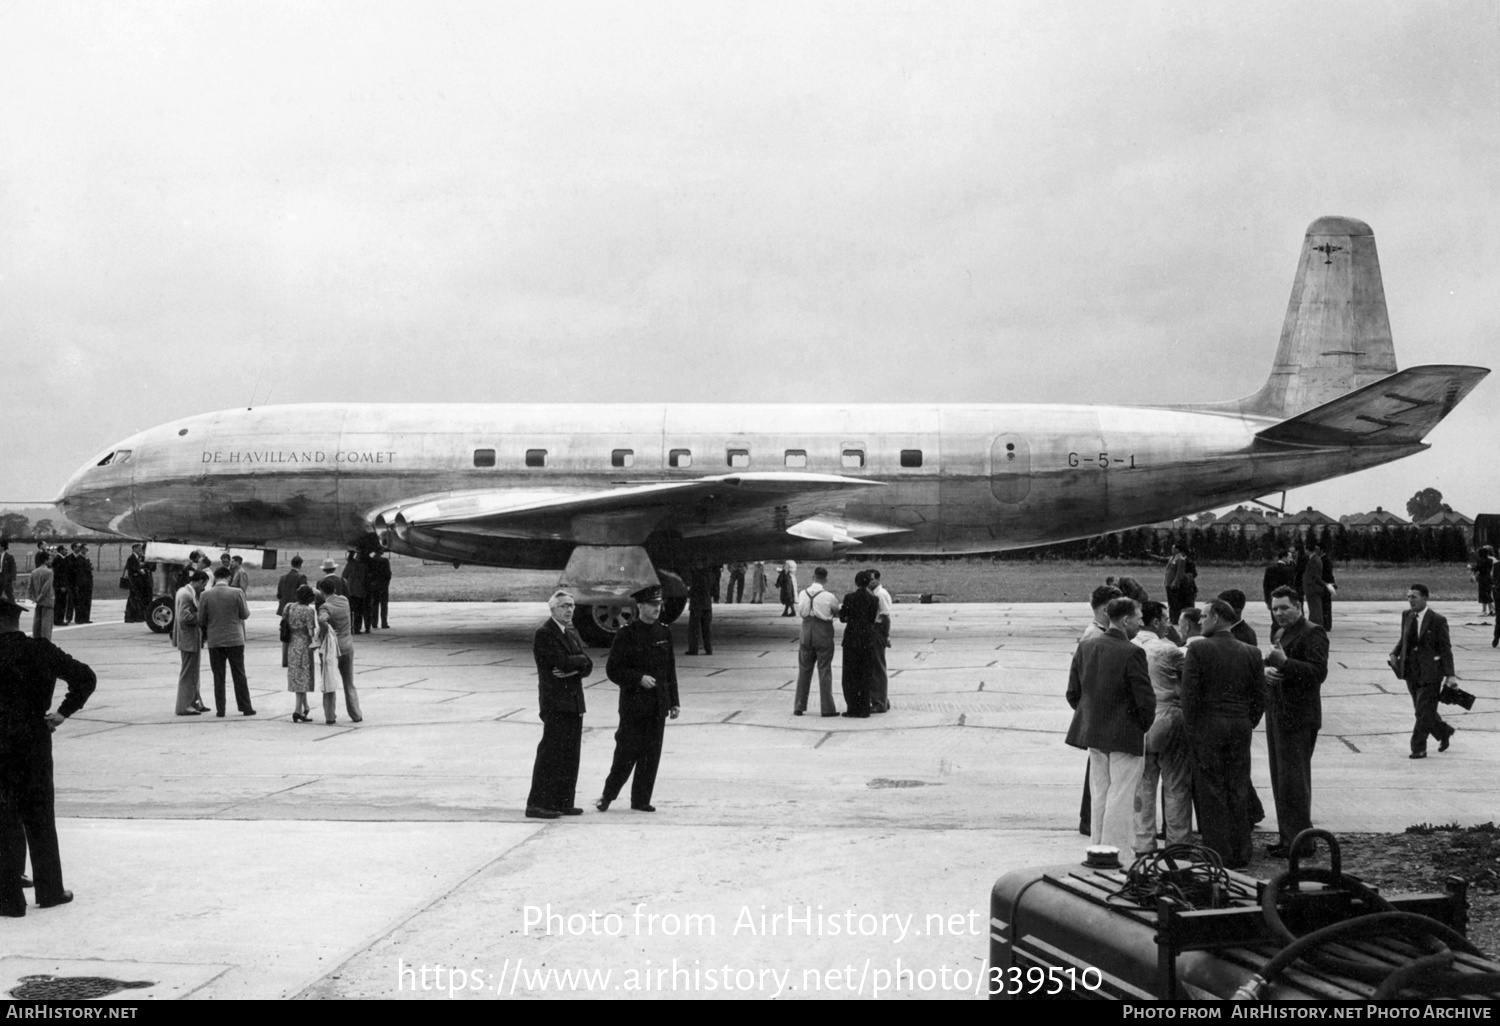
column 850, row 459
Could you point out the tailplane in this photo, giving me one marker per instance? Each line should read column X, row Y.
column 1337, row 336
column 1396, row 410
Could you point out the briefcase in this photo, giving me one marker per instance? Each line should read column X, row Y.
column 1455, row 695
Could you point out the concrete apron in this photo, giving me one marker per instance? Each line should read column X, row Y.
column 255, row 857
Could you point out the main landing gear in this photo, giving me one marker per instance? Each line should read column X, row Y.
column 598, row 624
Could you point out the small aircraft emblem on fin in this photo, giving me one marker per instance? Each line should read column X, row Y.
column 1328, row 249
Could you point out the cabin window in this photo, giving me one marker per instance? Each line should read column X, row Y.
column 680, row 458
column 852, row 459
column 911, row 457
column 484, row 457
column 536, row 457
column 796, row 458
column 739, row 457
column 622, row 458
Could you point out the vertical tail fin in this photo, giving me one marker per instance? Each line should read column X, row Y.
column 1337, row 336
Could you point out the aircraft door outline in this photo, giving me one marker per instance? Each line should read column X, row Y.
column 1010, row 468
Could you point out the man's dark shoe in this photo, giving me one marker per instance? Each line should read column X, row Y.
column 574, row 811
column 602, row 804
column 796, row 712
column 643, row 808
column 1417, row 755
column 61, row 899
column 1443, row 744
column 537, row 812
column 247, row 712
column 826, row 715
column 17, row 912
column 220, row 714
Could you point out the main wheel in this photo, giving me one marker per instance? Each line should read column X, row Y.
column 597, row 625
column 672, row 608
column 160, row 616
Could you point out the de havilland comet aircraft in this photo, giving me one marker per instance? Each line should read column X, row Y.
column 620, row 496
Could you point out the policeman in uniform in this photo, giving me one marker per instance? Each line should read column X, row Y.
column 642, row 664
column 29, row 668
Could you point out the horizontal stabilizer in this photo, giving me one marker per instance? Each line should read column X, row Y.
column 1396, row 410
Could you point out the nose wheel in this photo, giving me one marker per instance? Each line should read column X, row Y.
column 598, row 624
column 160, row 616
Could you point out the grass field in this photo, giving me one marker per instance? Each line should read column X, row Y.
column 947, row 580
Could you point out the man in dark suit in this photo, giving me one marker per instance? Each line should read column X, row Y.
column 29, row 669
column 1223, row 697
column 62, row 586
column 642, row 663
column 859, row 610
column 1297, row 667
column 1242, row 631
column 222, row 612
column 378, row 589
column 1283, row 571
column 701, row 587
column 561, row 665
column 1424, row 655
column 1109, row 688
column 7, row 572
column 83, row 584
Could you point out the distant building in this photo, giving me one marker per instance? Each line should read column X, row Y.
column 1377, row 520
column 1310, row 519
column 1447, row 518
column 1250, row 522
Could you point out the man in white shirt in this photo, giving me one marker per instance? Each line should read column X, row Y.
column 1167, row 754
column 879, row 699
column 817, row 606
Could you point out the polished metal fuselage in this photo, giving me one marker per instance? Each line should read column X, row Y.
column 990, row 477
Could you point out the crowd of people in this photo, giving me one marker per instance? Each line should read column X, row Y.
column 1166, row 699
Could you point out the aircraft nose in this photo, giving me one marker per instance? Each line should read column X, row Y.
column 88, row 501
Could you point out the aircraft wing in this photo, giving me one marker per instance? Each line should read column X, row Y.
column 1396, row 410
column 626, row 515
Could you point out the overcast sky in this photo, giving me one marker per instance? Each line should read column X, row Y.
column 203, row 205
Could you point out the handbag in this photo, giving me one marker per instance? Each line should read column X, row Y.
column 1455, row 695
column 125, row 581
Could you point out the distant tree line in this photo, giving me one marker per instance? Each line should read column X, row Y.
column 1227, row 544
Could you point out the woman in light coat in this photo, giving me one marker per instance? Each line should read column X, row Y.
column 337, row 621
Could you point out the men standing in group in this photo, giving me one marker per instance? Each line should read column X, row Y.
column 83, row 584
column 879, row 683
column 39, row 588
column 858, row 610
column 1166, row 759
column 1109, row 689
column 222, row 612
column 286, row 595
column 1223, row 697
column 29, row 669
column 701, row 609
column 187, row 635
column 7, row 573
column 817, row 606
column 561, row 665
column 1281, row 572
column 642, row 663
column 1296, row 667
column 1424, row 657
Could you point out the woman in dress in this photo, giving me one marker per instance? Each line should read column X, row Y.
column 1484, row 577
column 301, row 648
column 338, row 623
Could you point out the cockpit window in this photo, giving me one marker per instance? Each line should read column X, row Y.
column 118, row 456
column 106, row 461
column 123, row 456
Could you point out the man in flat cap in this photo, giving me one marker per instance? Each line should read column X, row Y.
column 561, row 665
column 29, row 668
column 642, row 664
